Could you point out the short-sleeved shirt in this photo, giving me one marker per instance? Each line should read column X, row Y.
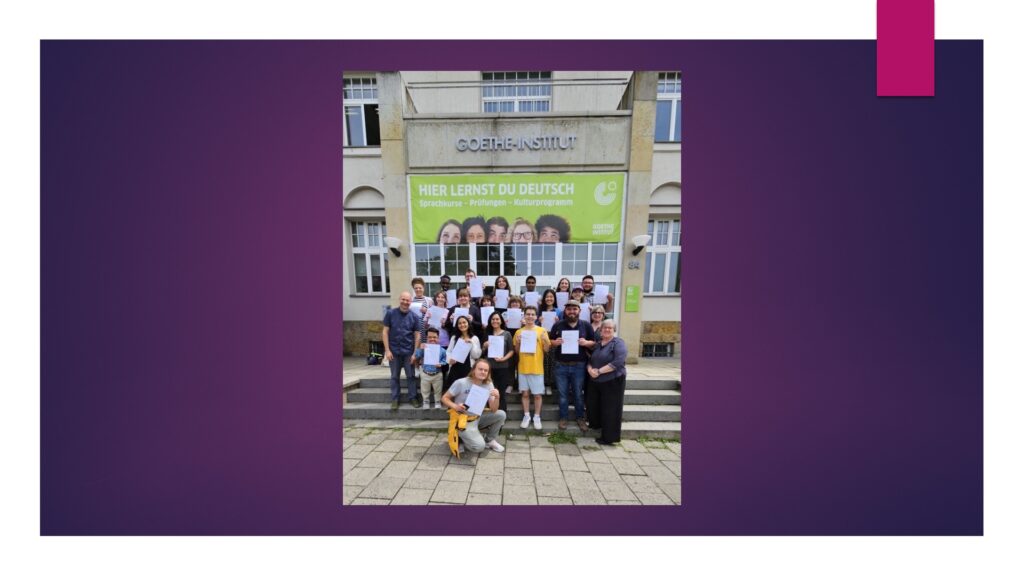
column 460, row 389
column 402, row 328
column 533, row 362
column 586, row 332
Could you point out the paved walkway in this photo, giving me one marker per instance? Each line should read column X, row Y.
column 416, row 467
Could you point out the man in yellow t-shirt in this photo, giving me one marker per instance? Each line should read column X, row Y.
column 531, row 365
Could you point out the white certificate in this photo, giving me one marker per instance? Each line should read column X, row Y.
column 452, row 299
column 501, row 299
column 476, row 288
column 461, row 351
column 600, row 294
column 531, row 298
column 570, row 341
column 584, row 312
column 437, row 315
column 476, row 400
column 548, row 319
column 528, row 341
column 416, row 307
column 514, row 318
column 432, row 355
column 560, row 299
column 485, row 315
column 461, row 312
column 495, row 346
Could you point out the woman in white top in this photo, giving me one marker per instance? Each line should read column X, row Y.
column 457, row 370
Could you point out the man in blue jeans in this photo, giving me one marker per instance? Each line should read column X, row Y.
column 401, row 328
column 570, row 369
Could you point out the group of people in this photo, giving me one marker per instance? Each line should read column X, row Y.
column 549, row 228
column 583, row 359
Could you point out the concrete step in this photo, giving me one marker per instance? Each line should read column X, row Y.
column 653, row 397
column 635, row 384
column 549, row 412
column 631, row 430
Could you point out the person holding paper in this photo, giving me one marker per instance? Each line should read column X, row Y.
column 493, row 417
column 460, row 368
column 514, row 321
column 548, row 305
column 499, row 356
column 572, row 339
column 401, row 330
column 470, row 284
column 607, row 369
column 469, row 308
column 589, row 296
column 432, row 373
column 531, row 342
column 436, row 316
column 419, row 300
column 501, row 298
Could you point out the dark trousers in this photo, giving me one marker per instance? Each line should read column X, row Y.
column 604, row 407
column 502, row 378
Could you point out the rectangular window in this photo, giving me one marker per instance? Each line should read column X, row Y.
column 516, row 92
column 361, row 124
column 369, row 257
column 658, row 350
column 663, row 257
column 668, row 120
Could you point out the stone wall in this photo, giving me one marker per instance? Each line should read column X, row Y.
column 358, row 335
column 659, row 332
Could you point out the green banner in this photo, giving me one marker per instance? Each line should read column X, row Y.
column 516, row 208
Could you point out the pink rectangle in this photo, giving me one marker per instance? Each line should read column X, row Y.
column 906, row 48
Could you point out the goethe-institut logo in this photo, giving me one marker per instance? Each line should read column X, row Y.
column 606, row 192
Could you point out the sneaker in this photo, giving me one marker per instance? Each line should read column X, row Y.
column 426, row 405
column 416, row 403
column 562, row 424
column 493, row 445
column 394, row 405
column 547, row 390
column 438, row 406
column 582, row 424
column 508, row 389
column 536, row 422
column 526, row 421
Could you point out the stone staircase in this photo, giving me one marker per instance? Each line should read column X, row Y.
column 651, row 409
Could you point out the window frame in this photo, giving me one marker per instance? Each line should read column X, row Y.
column 542, row 79
column 368, row 253
column 364, row 82
column 672, row 81
column 671, row 247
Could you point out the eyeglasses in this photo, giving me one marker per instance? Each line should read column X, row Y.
column 522, row 235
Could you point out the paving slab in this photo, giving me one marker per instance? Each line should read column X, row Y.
column 490, row 466
column 433, row 462
column 371, row 501
column 483, row 499
column 552, row 487
column 553, row 501
column 426, row 479
column 519, row 494
column 518, row 477
column 487, row 484
column 587, row 497
column 518, row 460
column 457, row 474
column 412, row 496
column 652, row 498
column 546, row 454
column 376, row 459
column 627, row 466
column 382, row 488
column 398, row 469
column 451, row 492
column 361, row 476
column 572, row 463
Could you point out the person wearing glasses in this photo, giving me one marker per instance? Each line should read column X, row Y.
column 523, row 232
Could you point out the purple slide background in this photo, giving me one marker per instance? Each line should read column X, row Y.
column 191, row 289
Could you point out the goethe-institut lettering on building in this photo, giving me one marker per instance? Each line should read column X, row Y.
column 549, row 174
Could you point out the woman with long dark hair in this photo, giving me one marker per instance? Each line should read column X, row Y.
column 547, row 304
column 501, row 368
column 457, row 370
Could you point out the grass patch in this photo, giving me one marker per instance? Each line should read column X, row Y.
column 561, row 437
column 648, row 440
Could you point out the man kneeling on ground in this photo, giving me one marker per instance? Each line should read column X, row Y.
column 490, row 421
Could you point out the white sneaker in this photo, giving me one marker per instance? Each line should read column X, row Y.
column 438, row 406
column 536, row 422
column 547, row 390
column 526, row 421
column 426, row 405
column 493, row 445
